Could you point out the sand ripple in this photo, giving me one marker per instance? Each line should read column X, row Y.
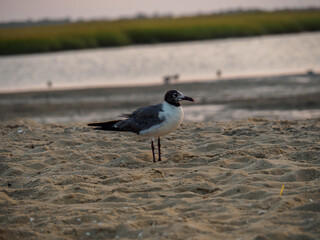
column 217, row 181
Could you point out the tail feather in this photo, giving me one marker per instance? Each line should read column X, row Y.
column 106, row 126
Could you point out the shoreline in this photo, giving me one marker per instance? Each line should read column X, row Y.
column 125, row 86
column 265, row 97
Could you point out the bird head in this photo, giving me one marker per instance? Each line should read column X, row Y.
column 174, row 97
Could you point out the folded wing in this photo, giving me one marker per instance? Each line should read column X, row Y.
column 141, row 119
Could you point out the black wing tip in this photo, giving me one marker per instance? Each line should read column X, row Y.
column 93, row 124
column 107, row 126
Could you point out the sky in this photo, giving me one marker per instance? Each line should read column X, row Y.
column 21, row 10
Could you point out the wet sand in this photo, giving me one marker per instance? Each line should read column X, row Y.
column 218, row 180
column 290, row 97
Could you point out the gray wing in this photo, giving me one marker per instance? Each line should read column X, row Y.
column 141, row 119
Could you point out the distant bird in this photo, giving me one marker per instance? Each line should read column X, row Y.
column 168, row 78
column 152, row 121
column 49, row 84
column 219, row 73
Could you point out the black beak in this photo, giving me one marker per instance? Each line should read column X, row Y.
column 187, row 98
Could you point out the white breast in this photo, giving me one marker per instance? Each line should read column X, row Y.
column 173, row 117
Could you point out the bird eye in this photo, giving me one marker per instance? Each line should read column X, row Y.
column 175, row 95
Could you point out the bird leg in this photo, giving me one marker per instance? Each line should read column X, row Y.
column 159, row 149
column 152, row 147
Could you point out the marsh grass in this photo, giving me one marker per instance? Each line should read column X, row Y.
column 141, row 31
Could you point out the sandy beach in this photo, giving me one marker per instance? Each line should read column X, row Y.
column 218, row 180
column 245, row 164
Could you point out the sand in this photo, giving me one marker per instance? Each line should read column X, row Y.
column 290, row 97
column 217, row 180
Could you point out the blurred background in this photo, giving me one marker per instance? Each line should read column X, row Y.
column 65, row 61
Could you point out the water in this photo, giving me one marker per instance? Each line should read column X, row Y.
column 147, row 64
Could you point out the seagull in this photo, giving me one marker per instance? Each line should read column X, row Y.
column 152, row 121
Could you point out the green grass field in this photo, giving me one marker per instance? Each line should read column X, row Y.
column 141, row 31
